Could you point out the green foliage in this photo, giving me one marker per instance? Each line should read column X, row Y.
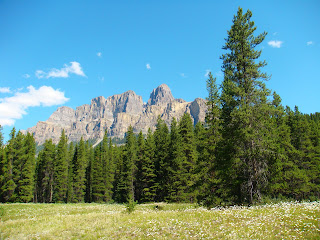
column 130, row 206
column 61, row 170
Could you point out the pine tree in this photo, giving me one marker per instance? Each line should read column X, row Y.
column 148, row 176
column 79, row 171
column 176, row 188
column 161, row 140
column 139, row 170
column 61, row 170
column 108, row 168
column 17, row 164
column 71, row 152
column 189, row 158
column 129, row 166
column 26, row 181
column 45, row 172
column 244, row 151
column 90, row 159
column 207, row 140
column 8, row 185
column 98, row 186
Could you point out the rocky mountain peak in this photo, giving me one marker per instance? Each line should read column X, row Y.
column 161, row 96
column 115, row 114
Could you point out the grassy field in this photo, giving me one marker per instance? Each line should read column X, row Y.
column 169, row 221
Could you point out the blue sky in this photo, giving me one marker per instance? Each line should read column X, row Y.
column 55, row 53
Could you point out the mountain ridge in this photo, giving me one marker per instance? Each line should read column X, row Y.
column 115, row 114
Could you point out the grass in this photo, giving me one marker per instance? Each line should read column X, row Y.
column 166, row 221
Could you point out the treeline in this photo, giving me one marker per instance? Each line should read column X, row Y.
column 176, row 165
column 249, row 149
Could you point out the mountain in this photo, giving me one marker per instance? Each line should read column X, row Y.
column 116, row 114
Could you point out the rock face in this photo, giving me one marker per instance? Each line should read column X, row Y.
column 115, row 114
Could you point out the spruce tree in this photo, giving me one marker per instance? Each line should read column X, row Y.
column 244, row 150
column 98, row 186
column 189, row 159
column 139, row 170
column 129, row 165
column 161, row 140
column 61, row 170
column 71, row 152
column 26, row 181
column 79, row 172
column 8, row 185
column 108, row 168
column 176, row 187
column 148, row 176
column 45, row 172
column 207, row 140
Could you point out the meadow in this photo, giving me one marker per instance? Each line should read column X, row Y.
column 291, row 220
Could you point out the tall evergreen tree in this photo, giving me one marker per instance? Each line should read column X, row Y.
column 45, row 172
column 206, row 142
column 26, row 181
column 189, row 158
column 148, row 176
column 70, row 195
column 8, row 185
column 176, row 187
column 162, row 141
column 61, row 170
column 126, row 168
column 139, row 169
column 245, row 113
column 79, row 172
column 98, row 186
column 108, row 168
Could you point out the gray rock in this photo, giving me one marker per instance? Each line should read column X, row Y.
column 115, row 114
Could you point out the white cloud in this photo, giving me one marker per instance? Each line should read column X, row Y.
column 99, row 54
column 275, row 44
column 183, row 75
column 64, row 72
column 148, row 66
column 13, row 108
column 310, row 43
column 207, row 72
column 26, row 75
column 4, row 90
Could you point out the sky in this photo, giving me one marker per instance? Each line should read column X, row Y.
column 64, row 53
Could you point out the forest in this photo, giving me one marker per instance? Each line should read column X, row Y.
column 250, row 148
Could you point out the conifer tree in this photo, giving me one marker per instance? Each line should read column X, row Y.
column 161, row 140
column 108, row 168
column 45, row 172
column 70, row 195
column 148, row 176
column 17, row 164
column 176, row 188
column 189, row 158
column 90, row 159
column 26, row 181
column 98, row 186
column 129, row 165
column 244, row 151
column 79, row 171
column 8, row 185
column 206, row 142
column 61, row 170
column 139, row 170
